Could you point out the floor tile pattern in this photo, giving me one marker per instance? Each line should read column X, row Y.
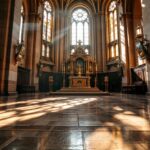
column 41, row 122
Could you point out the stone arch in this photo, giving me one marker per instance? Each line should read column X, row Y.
column 91, row 13
column 85, row 5
column 54, row 4
column 105, row 4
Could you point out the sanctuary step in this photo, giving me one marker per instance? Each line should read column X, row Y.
column 79, row 91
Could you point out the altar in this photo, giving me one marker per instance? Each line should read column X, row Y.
column 79, row 81
column 80, row 66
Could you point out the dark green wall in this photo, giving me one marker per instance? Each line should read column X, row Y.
column 114, row 81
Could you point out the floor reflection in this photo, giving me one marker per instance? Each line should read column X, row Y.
column 117, row 122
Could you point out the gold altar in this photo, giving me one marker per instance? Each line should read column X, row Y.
column 79, row 81
column 80, row 66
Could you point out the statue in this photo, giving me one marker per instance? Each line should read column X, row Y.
column 143, row 48
column 106, row 81
column 79, row 70
column 20, row 51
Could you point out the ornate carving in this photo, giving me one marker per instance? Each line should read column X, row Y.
column 80, row 57
column 143, row 48
column 20, row 52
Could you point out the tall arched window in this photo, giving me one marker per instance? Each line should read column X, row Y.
column 116, row 33
column 113, row 30
column 80, row 29
column 21, row 30
column 47, row 30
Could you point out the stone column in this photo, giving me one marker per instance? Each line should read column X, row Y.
column 131, row 53
column 103, row 40
column 5, row 11
column 30, row 47
column 99, row 56
column 36, row 50
column 9, row 30
column 56, row 40
column 127, row 66
column 62, row 38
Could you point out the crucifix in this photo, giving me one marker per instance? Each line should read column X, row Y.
column 79, row 42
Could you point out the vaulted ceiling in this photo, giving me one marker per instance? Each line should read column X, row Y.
column 96, row 5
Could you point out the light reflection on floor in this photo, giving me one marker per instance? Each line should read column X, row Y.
column 75, row 123
column 34, row 109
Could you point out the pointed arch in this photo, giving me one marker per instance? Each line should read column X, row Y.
column 22, row 20
column 47, row 22
column 86, row 5
column 115, row 31
column 80, row 28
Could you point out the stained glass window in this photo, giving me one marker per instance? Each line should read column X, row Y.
column 113, row 29
column 21, row 25
column 80, row 27
column 47, row 29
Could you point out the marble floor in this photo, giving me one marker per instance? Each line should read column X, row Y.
column 40, row 122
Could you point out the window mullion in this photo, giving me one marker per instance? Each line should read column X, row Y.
column 47, row 25
column 76, row 33
column 114, row 32
column 46, row 34
column 80, row 16
column 22, row 33
column 119, row 38
column 83, row 32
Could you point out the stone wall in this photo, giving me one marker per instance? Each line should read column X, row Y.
column 12, row 66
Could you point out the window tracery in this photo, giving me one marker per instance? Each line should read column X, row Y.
column 116, row 33
column 47, row 30
column 80, row 29
column 113, row 30
column 21, row 30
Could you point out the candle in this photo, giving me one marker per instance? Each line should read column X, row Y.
column 64, row 68
column 96, row 67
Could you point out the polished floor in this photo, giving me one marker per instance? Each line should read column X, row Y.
column 40, row 122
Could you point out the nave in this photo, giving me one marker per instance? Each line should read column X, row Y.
column 42, row 122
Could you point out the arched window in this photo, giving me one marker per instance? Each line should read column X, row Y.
column 47, row 30
column 21, row 30
column 80, row 29
column 116, row 33
column 113, row 30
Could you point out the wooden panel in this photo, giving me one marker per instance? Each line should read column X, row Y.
column 23, row 76
column 44, row 82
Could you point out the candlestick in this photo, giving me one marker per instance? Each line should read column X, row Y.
column 96, row 68
column 64, row 68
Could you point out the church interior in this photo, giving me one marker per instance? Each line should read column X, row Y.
column 75, row 75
